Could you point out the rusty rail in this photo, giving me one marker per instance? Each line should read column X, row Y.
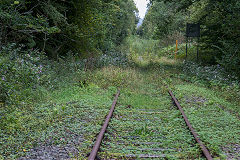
column 204, row 149
column 96, row 146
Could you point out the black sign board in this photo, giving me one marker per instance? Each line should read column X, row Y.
column 193, row 30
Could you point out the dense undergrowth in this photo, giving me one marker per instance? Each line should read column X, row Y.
column 40, row 98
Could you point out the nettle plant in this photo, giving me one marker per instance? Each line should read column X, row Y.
column 20, row 70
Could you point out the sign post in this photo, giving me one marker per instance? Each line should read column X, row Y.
column 193, row 30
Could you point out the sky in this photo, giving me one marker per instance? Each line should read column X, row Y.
column 142, row 7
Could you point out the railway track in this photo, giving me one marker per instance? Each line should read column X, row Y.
column 147, row 132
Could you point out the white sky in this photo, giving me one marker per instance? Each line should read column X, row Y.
column 142, row 7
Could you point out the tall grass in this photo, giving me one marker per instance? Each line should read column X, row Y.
column 143, row 50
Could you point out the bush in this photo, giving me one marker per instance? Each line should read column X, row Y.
column 21, row 72
column 213, row 75
column 112, row 58
column 230, row 59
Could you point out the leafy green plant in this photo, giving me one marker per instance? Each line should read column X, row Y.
column 21, row 71
column 143, row 131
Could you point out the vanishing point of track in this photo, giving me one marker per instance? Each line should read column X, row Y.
column 94, row 152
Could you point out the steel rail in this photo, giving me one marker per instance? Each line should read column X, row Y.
column 96, row 146
column 204, row 149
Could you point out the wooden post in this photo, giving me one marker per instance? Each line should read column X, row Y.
column 176, row 49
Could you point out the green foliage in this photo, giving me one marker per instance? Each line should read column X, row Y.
column 139, row 49
column 139, row 46
column 84, row 27
column 219, row 27
column 143, row 131
column 114, row 58
column 161, row 20
column 207, row 105
column 78, row 100
column 50, row 102
column 55, row 121
column 103, row 24
column 32, row 23
column 211, row 75
column 25, row 72
column 21, row 72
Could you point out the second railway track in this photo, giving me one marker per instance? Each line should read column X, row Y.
column 148, row 130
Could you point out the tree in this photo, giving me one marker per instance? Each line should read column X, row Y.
column 162, row 20
column 58, row 26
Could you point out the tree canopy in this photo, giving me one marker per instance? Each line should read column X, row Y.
column 56, row 27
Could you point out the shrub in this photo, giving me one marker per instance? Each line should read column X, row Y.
column 21, row 72
column 213, row 75
column 112, row 58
